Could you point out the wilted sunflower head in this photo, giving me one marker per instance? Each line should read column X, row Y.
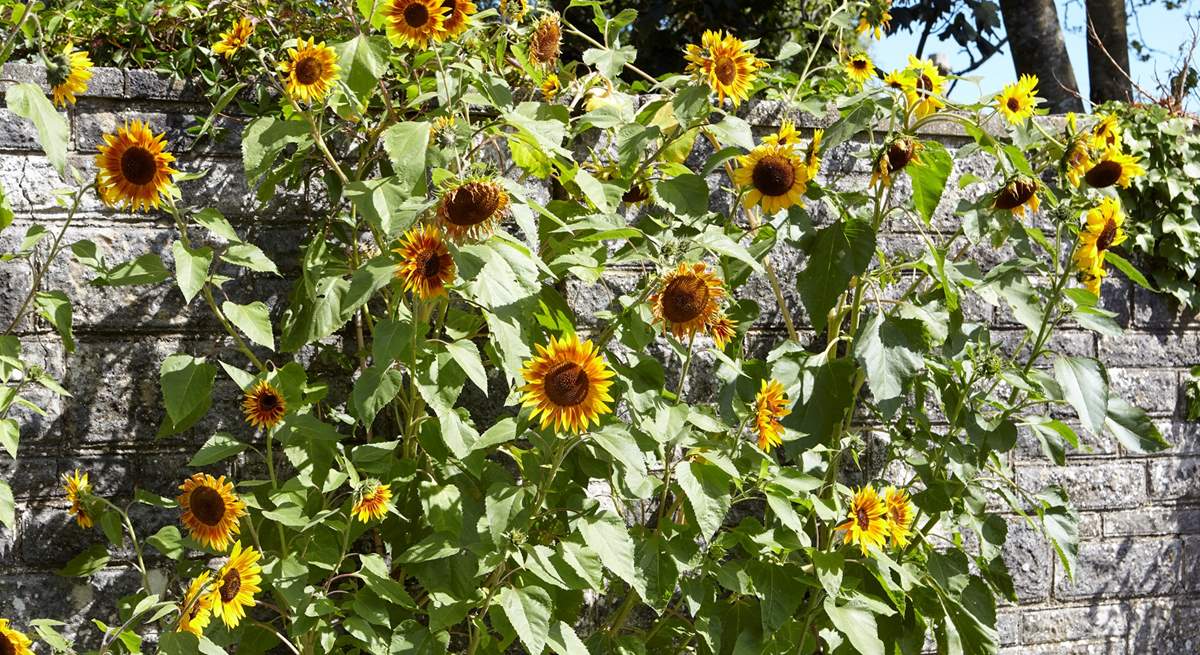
column 687, row 299
column 211, row 510
column 1113, row 167
column 414, row 22
column 264, row 405
column 898, row 154
column 309, row 71
column 235, row 39
column 545, row 41
column 722, row 61
column 135, row 168
column 567, row 384
column 472, row 209
column 13, row 642
column 1019, row 193
column 426, row 266
column 68, row 73
column 773, row 176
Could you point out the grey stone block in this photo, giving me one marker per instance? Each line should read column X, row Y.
column 106, row 83
column 1164, row 626
column 1178, row 349
column 1030, row 562
column 1159, row 311
column 144, row 84
column 17, row 132
column 1149, row 521
column 1155, row 390
column 1175, row 478
column 1073, row 623
column 1091, row 485
column 1122, row 568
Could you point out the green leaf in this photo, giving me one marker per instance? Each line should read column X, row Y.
column 363, row 61
column 316, row 317
column 86, row 563
column 605, row 532
column 218, row 447
column 385, row 204
column 186, row 385
column 592, row 189
column 1085, row 386
column 890, row 350
column 6, row 212
column 1133, row 427
column 498, row 272
column 406, row 145
column 929, row 174
column 366, row 281
column 528, row 610
column 466, row 355
column 827, row 393
column 438, row 545
column 168, row 541
column 857, row 624
column 706, row 488
column 829, row 569
column 248, row 255
column 691, row 102
column 781, row 588
column 253, row 319
column 562, row 640
column 147, row 269
column 837, row 253
column 55, row 307
column 10, row 435
column 1128, row 269
column 501, row 505
column 265, row 137
column 685, row 195
column 1060, row 522
column 191, row 268
column 8, row 506
column 374, row 389
column 216, row 223
column 610, row 62
column 28, row 101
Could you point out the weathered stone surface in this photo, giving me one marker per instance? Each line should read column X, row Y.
column 1073, row 623
column 1091, row 485
column 1175, row 478
column 1124, row 567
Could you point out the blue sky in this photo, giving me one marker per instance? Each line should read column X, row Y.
column 1165, row 31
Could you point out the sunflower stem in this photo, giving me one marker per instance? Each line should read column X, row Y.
column 40, row 271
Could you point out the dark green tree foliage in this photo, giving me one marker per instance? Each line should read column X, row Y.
column 975, row 25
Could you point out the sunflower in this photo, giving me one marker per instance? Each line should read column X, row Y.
column 770, row 406
column 900, row 80
column 877, row 25
column 310, row 70
column 923, row 96
column 567, row 383
column 1018, row 100
column 787, row 135
column 1106, row 133
column 866, row 522
column 458, row 18
column 722, row 330
column 545, row 41
column 1017, row 195
column 13, row 642
column 195, row 611
column 722, row 61
column 812, row 155
column 414, row 22
column 687, row 298
column 426, row 265
column 899, row 514
column 550, row 87
column 68, row 75
column 237, row 37
column 105, row 193
column 264, row 405
column 901, row 152
column 776, row 177
column 1102, row 229
column 372, row 502
column 1092, row 278
column 211, row 510
column 1075, row 160
column 1113, row 167
column 134, row 167
column 514, row 9
column 237, row 582
column 472, row 209
column 77, row 487
column 859, row 68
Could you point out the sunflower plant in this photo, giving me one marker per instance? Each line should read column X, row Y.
column 442, row 454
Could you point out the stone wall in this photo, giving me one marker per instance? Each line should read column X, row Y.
column 1138, row 585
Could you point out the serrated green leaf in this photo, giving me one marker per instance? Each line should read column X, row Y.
column 254, row 320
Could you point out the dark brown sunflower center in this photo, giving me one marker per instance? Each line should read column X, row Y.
column 636, row 193
column 450, row 6
column 472, row 203
column 1106, row 173
column 864, row 521
column 231, row 584
column 430, row 263
column 684, row 298
column 138, row 165
column 269, row 401
column 309, row 70
column 416, row 15
column 566, row 384
column 925, row 85
column 859, row 64
column 1015, row 194
column 899, row 154
column 7, row 647
column 774, row 175
column 1107, row 235
column 207, row 505
column 1013, row 104
column 725, row 70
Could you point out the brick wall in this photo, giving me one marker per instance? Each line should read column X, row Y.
column 1138, row 584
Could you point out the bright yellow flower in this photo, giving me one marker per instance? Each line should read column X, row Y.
column 722, row 330
column 1113, row 167
column 458, row 18
column 414, row 22
column 900, row 80
column 135, row 168
column 1018, row 100
column 77, row 487
column 550, row 87
column 264, row 405
column 925, row 96
column 236, row 584
column 1103, row 228
column 787, row 135
column 211, row 510
column 877, row 26
column 514, row 9
column 900, row 514
column 13, row 642
column 722, row 61
column 775, row 178
column 859, row 68
column 373, row 501
column 68, row 75
column 195, row 611
column 567, row 384
column 687, row 299
column 770, row 407
column 1106, row 133
column 812, row 155
column 235, row 39
column 866, row 521
column 426, row 266
column 310, row 71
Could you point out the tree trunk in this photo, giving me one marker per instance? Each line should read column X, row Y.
column 1038, row 49
column 1108, row 51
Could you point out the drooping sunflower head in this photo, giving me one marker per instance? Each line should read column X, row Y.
column 78, row 488
column 550, row 87
column 567, row 384
column 1113, row 167
column 722, row 61
column 722, row 330
column 773, row 176
column 1105, row 225
column 900, row 515
column 458, row 18
column 812, row 154
column 859, row 68
column 472, row 209
column 770, row 407
column 687, row 299
column 1018, row 100
column 928, row 82
column 898, row 154
column 1019, row 194
column 1090, row 276
column 426, row 265
column 195, row 610
column 309, row 71
column 1076, row 159
column 68, row 73
column 787, row 135
column 235, row 39
column 235, row 585
column 13, row 642
column 638, row 193
column 211, row 510
column 371, row 501
column 414, row 22
column 1106, row 133
column 874, row 20
column 866, row 521
column 135, row 168
column 545, row 42
column 264, row 405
